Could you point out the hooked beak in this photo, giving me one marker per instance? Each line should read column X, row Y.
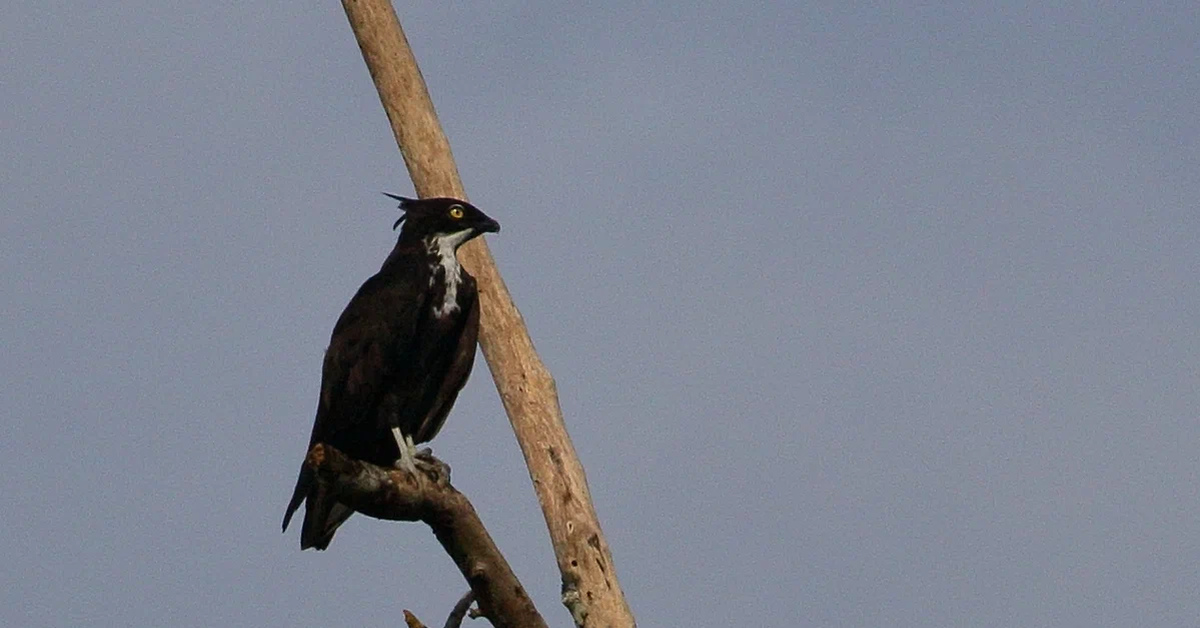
column 488, row 226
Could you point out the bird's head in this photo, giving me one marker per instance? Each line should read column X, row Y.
column 438, row 218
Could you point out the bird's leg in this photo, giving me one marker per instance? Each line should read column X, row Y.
column 412, row 447
column 408, row 451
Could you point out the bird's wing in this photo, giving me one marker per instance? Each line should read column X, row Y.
column 366, row 350
column 458, row 370
column 376, row 328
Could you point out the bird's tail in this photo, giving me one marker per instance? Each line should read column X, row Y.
column 298, row 494
column 322, row 514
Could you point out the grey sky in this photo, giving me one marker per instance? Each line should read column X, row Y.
column 861, row 315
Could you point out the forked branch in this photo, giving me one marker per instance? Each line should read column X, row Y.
column 428, row 496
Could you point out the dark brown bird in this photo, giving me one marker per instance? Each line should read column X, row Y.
column 398, row 356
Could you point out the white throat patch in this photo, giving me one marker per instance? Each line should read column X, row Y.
column 444, row 247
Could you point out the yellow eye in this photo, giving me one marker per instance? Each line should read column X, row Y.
column 456, row 211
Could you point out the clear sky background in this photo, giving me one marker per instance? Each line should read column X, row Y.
column 861, row 315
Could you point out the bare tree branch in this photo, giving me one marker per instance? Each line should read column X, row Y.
column 457, row 614
column 397, row 495
column 589, row 580
column 460, row 610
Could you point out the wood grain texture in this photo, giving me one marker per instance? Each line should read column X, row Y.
column 589, row 581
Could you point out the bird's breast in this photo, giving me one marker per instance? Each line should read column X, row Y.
column 446, row 286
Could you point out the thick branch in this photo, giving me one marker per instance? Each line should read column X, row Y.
column 427, row 496
column 590, row 587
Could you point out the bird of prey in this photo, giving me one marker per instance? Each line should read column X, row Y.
column 399, row 354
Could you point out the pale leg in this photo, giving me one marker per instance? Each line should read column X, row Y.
column 408, row 451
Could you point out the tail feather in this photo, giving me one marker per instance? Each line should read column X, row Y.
column 298, row 494
column 321, row 531
column 322, row 514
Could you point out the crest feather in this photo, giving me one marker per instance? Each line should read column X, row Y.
column 405, row 202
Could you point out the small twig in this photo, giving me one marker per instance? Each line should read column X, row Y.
column 397, row 495
column 460, row 610
column 456, row 614
column 412, row 620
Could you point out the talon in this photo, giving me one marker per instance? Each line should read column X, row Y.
column 409, row 466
